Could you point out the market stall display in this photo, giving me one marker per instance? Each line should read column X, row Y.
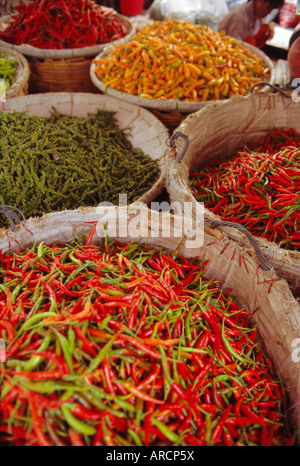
column 14, row 71
column 127, row 323
column 252, row 118
column 59, row 38
column 175, row 65
column 119, row 331
column 92, row 149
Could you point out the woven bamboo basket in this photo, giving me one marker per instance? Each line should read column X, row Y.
column 65, row 75
column 218, row 131
column 20, row 86
column 66, row 70
column 268, row 298
column 144, row 130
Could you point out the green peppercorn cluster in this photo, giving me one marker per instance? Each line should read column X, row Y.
column 65, row 162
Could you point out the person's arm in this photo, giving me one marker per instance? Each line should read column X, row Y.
column 271, row 29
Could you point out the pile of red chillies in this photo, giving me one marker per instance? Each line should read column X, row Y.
column 122, row 345
column 258, row 187
column 63, row 24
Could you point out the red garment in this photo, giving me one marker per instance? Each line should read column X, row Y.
column 260, row 37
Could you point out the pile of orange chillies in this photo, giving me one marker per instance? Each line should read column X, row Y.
column 177, row 59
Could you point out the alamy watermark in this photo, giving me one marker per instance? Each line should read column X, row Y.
column 296, row 350
column 161, row 221
column 295, row 84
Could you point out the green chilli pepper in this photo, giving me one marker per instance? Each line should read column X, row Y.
column 75, row 423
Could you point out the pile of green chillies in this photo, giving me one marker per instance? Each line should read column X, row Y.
column 65, row 162
column 8, row 68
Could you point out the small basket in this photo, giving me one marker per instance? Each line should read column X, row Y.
column 20, row 86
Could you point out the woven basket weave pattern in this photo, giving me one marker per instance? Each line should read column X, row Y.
column 70, row 75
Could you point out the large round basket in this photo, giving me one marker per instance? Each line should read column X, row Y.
column 20, row 86
column 66, row 70
column 212, row 135
column 273, row 308
column 144, row 130
column 171, row 105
